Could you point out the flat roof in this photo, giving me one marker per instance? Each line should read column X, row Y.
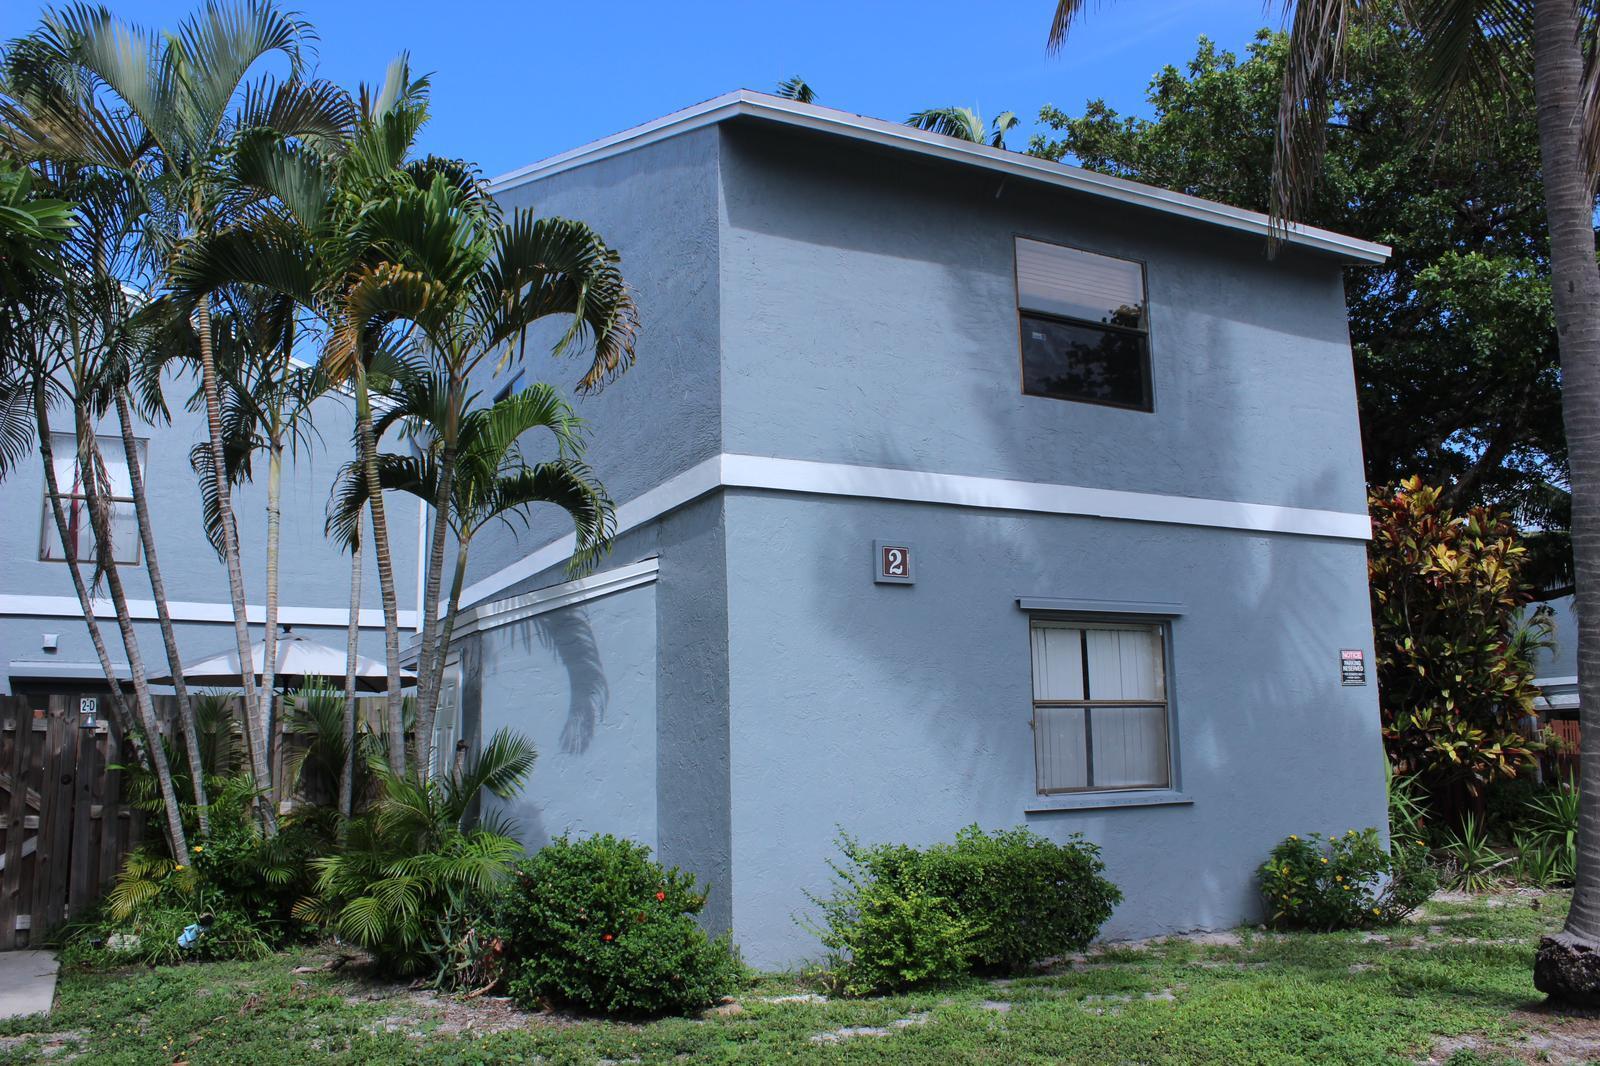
column 775, row 109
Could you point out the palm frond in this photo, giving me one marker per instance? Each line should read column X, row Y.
column 553, row 266
column 1066, row 13
column 797, row 89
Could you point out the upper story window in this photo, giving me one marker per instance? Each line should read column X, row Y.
column 1099, row 706
column 1085, row 326
column 124, row 525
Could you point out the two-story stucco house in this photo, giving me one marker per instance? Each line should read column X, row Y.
column 955, row 486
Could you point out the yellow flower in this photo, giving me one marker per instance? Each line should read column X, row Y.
column 197, row 849
column 1420, row 843
column 1324, row 862
column 1376, row 911
column 178, row 866
column 1293, row 837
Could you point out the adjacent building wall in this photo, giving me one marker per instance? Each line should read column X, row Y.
column 313, row 572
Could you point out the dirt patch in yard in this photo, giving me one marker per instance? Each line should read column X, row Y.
column 1548, row 1037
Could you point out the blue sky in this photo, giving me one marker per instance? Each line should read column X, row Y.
column 517, row 81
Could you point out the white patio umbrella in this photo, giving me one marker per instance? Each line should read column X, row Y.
column 298, row 659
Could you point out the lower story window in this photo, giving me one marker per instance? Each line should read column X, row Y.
column 1099, row 706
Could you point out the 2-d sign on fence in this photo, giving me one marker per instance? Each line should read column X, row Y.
column 64, row 824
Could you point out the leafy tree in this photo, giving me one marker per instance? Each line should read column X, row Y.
column 1467, row 48
column 1454, row 337
column 1454, row 670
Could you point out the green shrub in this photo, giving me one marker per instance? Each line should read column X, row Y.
column 598, row 924
column 900, row 917
column 407, row 883
column 1346, row 882
column 884, row 938
column 151, row 903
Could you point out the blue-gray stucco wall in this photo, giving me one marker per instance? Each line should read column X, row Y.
column 657, row 207
column 580, row 683
column 313, row 572
column 902, row 713
column 869, row 316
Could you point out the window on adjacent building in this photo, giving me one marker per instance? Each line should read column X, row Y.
column 1085, row 334
column 1099, row 706
column 69, row 479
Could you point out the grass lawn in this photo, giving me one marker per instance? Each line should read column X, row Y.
column 1451, row 985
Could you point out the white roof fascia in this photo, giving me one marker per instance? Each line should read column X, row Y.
column 903, row 137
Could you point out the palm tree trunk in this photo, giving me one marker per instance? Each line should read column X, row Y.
column 69, row 551
column 269, row 650
column 99, row 520
column 1568, row 964
column 395, row 717
column 347, row 779
column 431, row 659
column 158, row 590
column 254, row 734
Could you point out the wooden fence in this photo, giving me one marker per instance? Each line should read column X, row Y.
column 64, row 824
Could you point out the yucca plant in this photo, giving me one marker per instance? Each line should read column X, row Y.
column 1469, row 853
column 412, row 865
column 1553, row 817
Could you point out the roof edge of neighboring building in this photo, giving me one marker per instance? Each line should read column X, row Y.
column 745, row 103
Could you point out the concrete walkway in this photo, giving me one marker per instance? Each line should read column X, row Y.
column 27, row 982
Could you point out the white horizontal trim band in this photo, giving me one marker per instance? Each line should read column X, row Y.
column 513, row 609
column 195, row 611
column 903, row 137
column 955, row 490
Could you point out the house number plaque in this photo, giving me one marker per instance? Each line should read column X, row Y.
column 892, row 562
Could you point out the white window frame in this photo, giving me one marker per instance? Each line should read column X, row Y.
column 1163, row 643
column 76, row 504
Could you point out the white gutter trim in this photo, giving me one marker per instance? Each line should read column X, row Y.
column 1547, row 682
column 697, row 481
column 514, row 609
column 65, row 669
column 745, row 103
column 955, row 490
column 194, row 611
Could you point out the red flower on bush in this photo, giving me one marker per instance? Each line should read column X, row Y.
column 661, row 896
column 607, row 937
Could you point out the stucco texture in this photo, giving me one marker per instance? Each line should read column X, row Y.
column 902, row 713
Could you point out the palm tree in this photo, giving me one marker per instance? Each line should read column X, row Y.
column 492, row 480
column 489, row 281
column 797, row 89
column 1469, row 42
column 965, row 124
column 183, row 98
column 311, row 241
column 84, row 325
column 380, row 244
